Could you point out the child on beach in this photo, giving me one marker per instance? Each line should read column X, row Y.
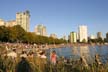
column 53, row 57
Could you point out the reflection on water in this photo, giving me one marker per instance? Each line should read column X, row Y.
column 88, row 52
column 75, row 53
column 84, row 51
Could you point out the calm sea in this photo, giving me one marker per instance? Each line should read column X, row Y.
column 88, row 52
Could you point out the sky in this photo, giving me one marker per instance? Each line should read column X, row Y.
column 60, row 16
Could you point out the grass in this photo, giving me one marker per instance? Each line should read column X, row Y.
column 39, row 65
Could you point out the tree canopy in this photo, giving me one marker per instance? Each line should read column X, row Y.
column 18, row 34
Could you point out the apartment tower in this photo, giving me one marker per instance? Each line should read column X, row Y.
column 40, row 30
column 83, row 36
column 73, row 37
column 23, row 19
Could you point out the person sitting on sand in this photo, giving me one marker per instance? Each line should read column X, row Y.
column 42, row 55
column 23, row 54
column 12, row 54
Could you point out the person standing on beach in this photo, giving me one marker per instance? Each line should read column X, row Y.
column 53, row 57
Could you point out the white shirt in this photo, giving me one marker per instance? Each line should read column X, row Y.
column 23, row 55
column 43, row 56
column 12, row 54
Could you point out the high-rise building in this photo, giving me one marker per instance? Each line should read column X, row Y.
column 107, row 35
column 40, row 30
column 2, row 22
column 73, row 37
column 23, row 19
column 10, row 23
column 99, row 35
column 53, row 36
column 83, row 36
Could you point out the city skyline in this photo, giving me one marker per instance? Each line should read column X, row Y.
column 61, row 17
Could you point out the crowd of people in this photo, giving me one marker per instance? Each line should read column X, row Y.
column 28, row 52
column 15, row 50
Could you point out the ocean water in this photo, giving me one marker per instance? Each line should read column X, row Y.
column 76, row 52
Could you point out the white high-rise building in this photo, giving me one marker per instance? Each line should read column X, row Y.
column 40, row 30
column 83, row 35
column 23, row 19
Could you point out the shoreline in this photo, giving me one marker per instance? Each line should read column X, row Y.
column 51, row 45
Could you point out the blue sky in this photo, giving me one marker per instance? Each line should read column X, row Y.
column 60, row 16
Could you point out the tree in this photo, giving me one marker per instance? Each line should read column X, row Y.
column 12, row 35
column 84, row 40
column 19, row 32
column 100, row 40
column 4, row 33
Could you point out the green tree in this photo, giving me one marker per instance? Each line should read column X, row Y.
column 19, row 32
column 84, row 40
column 100, row 40
column 12, row 35
column 4, row 33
